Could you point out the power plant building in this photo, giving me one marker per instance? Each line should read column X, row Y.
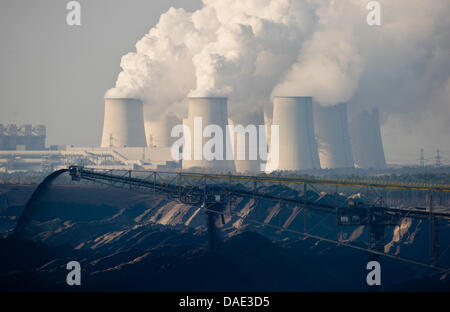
column 297, row 143
column 246, row 141
column 158, row 133
column 309, row 137
column 366, row 140
column 211, row 111
column 26, row 137
column 123, row 123
column 332, row 135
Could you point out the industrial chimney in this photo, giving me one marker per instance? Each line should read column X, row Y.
column 212, row 111
column 123, row 124
column 297, row 144
column 333, row 141
column 366, row 140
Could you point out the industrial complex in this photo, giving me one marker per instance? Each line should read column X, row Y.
column 26, row 137
column 310, row 137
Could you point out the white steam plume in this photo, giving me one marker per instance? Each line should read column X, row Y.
column 238, row 49
column 249, row 50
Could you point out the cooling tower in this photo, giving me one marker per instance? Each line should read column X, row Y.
column 212, row 111
column 333, row 140
column 244, row 157
column 366, row 140
column 297, row 144
column 158, row 132
column 124, row 124
column 268, row 124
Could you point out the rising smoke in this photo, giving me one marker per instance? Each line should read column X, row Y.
column 233, row 48
column 254, row 49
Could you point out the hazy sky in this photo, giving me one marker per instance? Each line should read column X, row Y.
column 57, row 75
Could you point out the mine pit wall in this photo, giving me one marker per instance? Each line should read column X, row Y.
column 259, row 215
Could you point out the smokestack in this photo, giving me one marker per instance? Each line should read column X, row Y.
column 298, row 148
column 333, row 140
column 366, row 140
column 158, row 132
column 124, row 123
column 213, row 111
